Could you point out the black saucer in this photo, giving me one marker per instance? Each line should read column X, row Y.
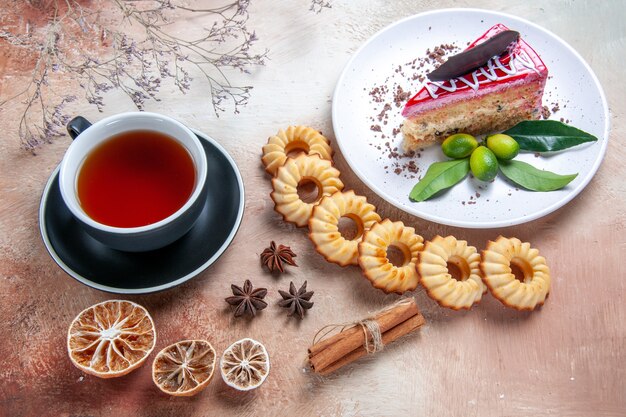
column 106, row 269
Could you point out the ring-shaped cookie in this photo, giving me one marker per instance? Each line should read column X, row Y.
column 433, row 269
column 294, row 138
column 374, row 261
column 324, row 226
column 496, row 263
column 297, row 171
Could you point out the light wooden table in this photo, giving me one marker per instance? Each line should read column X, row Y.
column 567, row 359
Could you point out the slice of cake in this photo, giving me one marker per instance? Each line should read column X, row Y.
column 495, row 97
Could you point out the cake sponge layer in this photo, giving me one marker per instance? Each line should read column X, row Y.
column 480, row 115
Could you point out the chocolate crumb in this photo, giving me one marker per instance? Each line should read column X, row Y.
column 384, row 111
column 378, row 93
column 400, row 96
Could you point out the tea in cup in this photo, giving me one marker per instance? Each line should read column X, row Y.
column 135, row 181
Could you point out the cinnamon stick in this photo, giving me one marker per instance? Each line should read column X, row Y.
column 331, row 350
column 357, row 331
column 389, row 336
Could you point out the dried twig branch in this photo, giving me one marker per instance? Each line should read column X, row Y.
column 125, row 45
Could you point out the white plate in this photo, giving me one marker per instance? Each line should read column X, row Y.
column 572, row 84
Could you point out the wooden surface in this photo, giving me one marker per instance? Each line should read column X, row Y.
column 566, row 359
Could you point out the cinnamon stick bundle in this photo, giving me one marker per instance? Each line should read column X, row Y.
column 351, row 344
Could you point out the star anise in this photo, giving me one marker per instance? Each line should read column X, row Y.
column 275, row 257
column 296, row 301
column 247, row 299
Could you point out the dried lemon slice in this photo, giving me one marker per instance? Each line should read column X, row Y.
column 295, row 172
column 324, row 226
column 184, row 368
column 245, row 364
column 294, row 138
column 111, row 338
column 433, row 270
column 374, row 260
column 496, row 263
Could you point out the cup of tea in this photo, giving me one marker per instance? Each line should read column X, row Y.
column 135, row 181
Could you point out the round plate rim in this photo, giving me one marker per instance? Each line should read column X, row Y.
column 474, row 224
column 157, row 288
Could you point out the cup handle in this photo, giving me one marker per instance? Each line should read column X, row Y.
column 77, row 125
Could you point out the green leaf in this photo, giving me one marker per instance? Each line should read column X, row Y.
column 532, row 178
column 547, row 135
column 440, row 175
